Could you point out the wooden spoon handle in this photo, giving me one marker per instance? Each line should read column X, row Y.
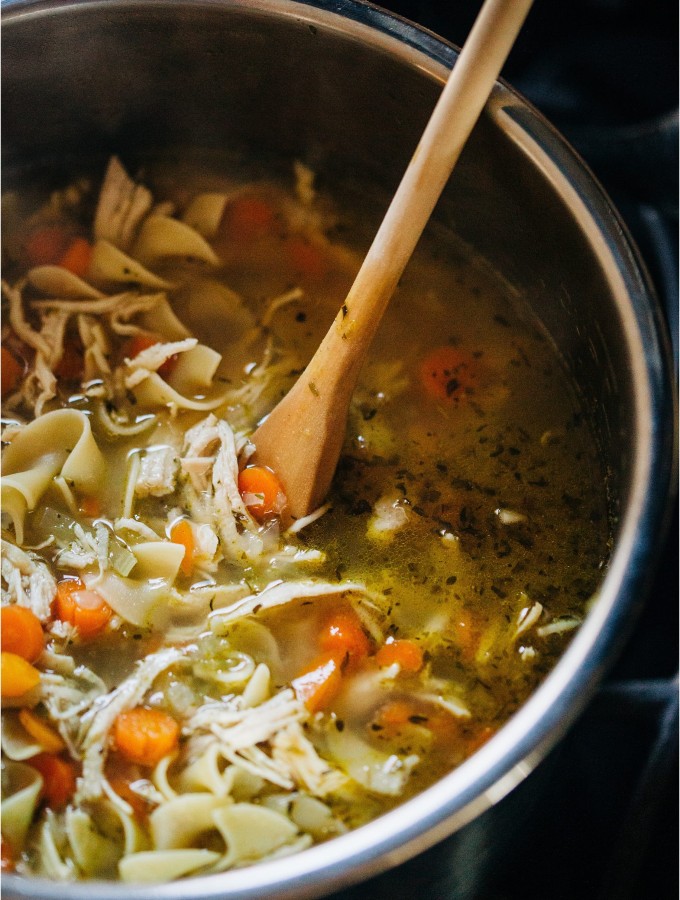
column 302, row 438
column 458, row 108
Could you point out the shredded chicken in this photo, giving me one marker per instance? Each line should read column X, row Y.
column 212, row 492
column 245, row 732
column 157, row 472
column 27, row 581
column 97, row 722
column 96, row 348
column 280, row 592
column 151, row 359
column 239, row 727
column 83, row 551
column 122, row 207
column 293, row 750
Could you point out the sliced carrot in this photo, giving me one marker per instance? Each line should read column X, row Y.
column 21, row 632
column 7, row 863
column 137, row 343
column 122, row 785
column 11, row 371
column 59, row 779
column 247, row 219
column 83, row 608
column 343, row 635
column 18, row 676
column 182, row 533
column 41, row 731
column 406, row 653
column 144, row 736
column 395, row 714
column 449, row 373
column 400, row 714
column 77, row 257
column 70, row 366
column 306, row 258
column 445, row 727
column 90, row 507
column 261, row 491
column 140, row 342
column 46, row 245
column 320, row 683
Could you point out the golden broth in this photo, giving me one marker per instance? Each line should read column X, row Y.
column 469, row 504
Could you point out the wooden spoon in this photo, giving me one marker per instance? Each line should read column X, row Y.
column 302, row 437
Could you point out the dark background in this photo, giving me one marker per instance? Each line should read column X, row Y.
column 605, row 73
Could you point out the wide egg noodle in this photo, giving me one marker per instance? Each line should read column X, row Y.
column 154, row 866
column 204, row 213
column 17, row 744
column 195, row 368
column 254, row 638
column 157, row 559
column 163, row 321
column 376, row 771
column 179, row 822
column 161, row 237
column 160, row 777
column 155, row 392
column 60, row 282
column 132, row 835
column 313, row 816
column 211, row 305
column 58, row 443
column 50, row 850
column 110, row 265
column 94, row 851
column 134, row 600
column 252, row 833
column 208, row 773
column 22, row 786
column 229, row 670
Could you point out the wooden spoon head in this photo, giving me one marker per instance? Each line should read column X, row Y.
column 306, row 461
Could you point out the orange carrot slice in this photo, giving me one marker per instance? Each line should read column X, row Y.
column 144, row 736
column 406, row 653
column 247, row 219
column 77, row 257
column 343, row 635
column 46, row 245
column 59, row 779
column 182, row 533
column 21, row 632
column 17, row 675
column 320, row 683
column 261, row 491
column 83, row 608
column 449, row 373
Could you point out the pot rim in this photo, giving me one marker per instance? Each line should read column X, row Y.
column 536, row 727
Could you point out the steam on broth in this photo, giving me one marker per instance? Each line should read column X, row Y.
column 189, row 684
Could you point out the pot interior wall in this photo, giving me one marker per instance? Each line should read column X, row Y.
column 84, row 81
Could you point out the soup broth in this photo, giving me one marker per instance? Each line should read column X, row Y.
column 191, row 680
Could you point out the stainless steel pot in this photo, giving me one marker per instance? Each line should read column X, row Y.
column 348, row 88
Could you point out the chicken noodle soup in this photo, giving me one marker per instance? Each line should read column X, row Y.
column 190, row 682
